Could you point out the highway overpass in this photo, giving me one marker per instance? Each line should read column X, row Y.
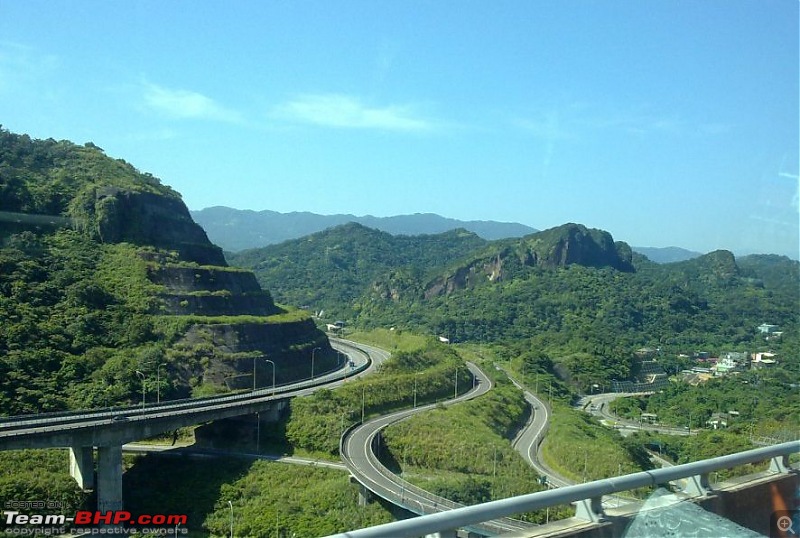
column 107, row 430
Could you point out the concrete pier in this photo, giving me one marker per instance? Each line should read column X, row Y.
column 81, row 466
column 109, row 478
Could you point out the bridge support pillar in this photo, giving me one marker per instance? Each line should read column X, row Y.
column 81, row 466
column 364, row 495
column 109, row 478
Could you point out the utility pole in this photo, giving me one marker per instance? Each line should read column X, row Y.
column 363, row 398
column 273, row 375
column 312, row 361
column 455, row 392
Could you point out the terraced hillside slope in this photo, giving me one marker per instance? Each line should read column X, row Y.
column 108, row 290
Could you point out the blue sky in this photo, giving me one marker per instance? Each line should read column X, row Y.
column 664, row 122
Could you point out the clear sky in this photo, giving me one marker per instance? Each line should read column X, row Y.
column 664, row 122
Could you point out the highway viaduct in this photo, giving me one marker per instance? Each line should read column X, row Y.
column 107, row 430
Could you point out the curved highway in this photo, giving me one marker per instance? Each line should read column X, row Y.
column 358, row 452
column 95, row 428
column 598, row 405
column 529, row 444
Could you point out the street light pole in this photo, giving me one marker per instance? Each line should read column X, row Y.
column 231, row 505
column 455, row 391
column 140, row 374
column 312, row 361
column 363, row 398
column 158, row 381
column 415, row 389
column 273, row 375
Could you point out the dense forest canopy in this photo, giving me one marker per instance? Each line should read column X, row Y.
column 49, row 176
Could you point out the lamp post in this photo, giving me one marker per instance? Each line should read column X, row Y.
column 312, row 361
column 158, row 381
column 140, row 374
column 415, row 389
column 455, row 390
column 231, row 506
column 273, row 375
column 363, row 398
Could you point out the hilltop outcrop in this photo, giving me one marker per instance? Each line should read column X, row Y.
column 557, row 247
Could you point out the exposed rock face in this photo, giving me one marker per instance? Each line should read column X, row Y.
column 145, row 218
column 289, row 345
column 197, row 281
column 557, row 247
column 576, row 244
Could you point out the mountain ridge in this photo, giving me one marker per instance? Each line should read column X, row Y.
column 242, row 229
column 237, row 230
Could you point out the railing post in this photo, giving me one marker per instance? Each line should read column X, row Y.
column 590, row 510
column 779, row 464
column 697, row 486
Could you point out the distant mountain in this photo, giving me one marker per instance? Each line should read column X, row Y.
column 667, row 254
column 237, row 229
column 356, row 261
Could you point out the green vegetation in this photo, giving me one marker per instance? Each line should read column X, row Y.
column 349, row 259
column 266, row 497
column 391, row 340
column 706, row 444
column 49, row 177
column 579, row 448
column 316, row 422
column 462, row 452
column 585, row 318
column 40, row 475
column 76, row 323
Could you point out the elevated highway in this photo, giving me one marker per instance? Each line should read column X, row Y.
column 108, row 430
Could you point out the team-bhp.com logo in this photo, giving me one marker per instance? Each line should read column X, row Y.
column 88, row 522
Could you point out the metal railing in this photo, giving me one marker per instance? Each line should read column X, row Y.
column 587, row 495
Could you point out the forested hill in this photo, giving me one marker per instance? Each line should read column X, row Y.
column 355, row 261
column 329, row 269
column 104, row 273
column 571, row 294
column 105, row 199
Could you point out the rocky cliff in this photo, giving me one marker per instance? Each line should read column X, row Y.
column 557, row 247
